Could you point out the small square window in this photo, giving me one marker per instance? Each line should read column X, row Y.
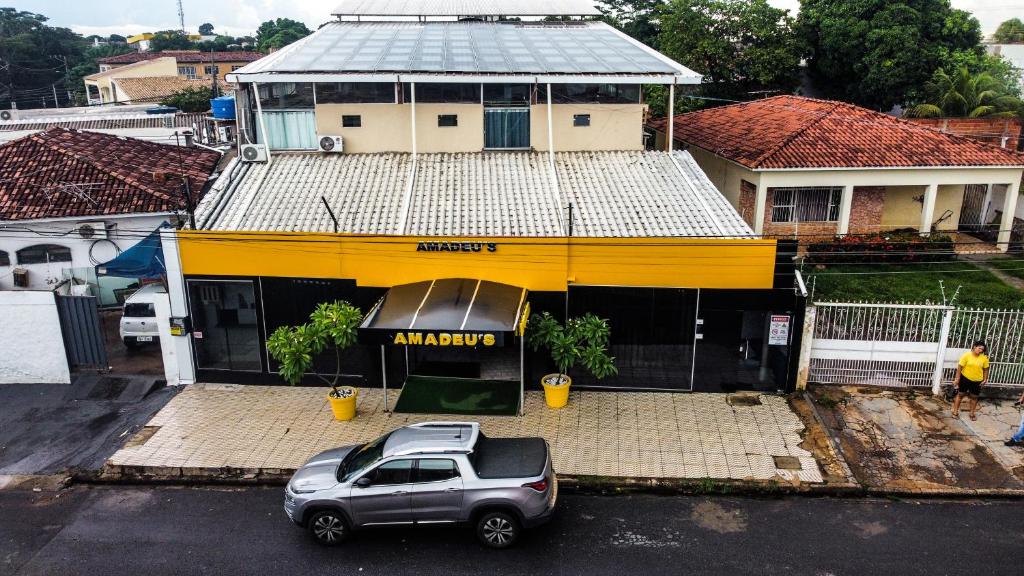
column 581, row 119
column 447, row 120
column 353, row 121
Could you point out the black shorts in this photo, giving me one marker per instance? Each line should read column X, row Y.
column 969, row 387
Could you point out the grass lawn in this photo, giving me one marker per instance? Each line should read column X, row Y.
column 1012, row 265
column 913, row 283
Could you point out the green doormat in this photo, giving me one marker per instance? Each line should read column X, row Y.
column 437, row 395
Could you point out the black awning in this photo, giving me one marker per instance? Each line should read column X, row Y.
column 453, row 312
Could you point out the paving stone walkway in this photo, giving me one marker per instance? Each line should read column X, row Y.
column 625, row 434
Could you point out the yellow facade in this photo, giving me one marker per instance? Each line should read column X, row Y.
column 538, row 264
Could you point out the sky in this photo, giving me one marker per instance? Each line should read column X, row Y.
column 240, row 17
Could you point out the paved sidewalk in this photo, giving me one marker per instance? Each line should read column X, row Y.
column 258, row 429
column 909, row 441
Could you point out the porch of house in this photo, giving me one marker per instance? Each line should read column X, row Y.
column 978, row 212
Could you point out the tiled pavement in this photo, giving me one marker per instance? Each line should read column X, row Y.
column 627, row 434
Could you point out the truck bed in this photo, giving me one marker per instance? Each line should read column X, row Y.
column 509, row 457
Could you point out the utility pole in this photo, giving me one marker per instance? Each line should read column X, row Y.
column 181, row 16
column 67, row 76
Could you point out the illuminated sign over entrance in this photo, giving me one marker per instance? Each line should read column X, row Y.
column 467, row 339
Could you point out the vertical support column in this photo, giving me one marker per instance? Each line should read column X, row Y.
column 671, row 117
column 263, row 125
column 845, row 208
column 551, row 133
column 412, row 100
column 928, row 210
column 940, row 352
column 384, row 375
column 178, row 308
column 986, row 205
column 522, row 373
column 760, row 203
column 803, row 370
column 1009, row 210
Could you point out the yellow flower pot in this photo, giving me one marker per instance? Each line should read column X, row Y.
column 344, row 408
column 556, row 390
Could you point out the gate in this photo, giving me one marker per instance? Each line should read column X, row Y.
column 974, row 212
column 910, row 345
column 83, row 336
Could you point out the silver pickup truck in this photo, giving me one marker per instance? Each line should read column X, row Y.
column 430, row 473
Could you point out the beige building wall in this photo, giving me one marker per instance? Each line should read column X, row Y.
column 145, row 69
column 725, row 175
column 901, row 210
column 385, row 127
column 468, row 136
column 612, row 127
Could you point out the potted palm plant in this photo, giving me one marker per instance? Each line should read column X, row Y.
column 583, row 340
column 332, row 324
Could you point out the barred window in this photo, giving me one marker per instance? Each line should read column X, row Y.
column 808, row 204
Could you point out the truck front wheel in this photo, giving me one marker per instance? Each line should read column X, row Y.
column 497, row 529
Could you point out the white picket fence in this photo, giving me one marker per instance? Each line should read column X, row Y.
column 907, row 345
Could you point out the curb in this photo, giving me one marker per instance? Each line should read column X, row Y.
column 169, row 476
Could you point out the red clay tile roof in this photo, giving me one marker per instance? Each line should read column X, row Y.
column 794, row 132
column 65, row 173
column 183, row 56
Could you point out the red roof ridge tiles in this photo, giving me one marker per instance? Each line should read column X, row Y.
column 790, row 132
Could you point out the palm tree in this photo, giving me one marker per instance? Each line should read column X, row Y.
column 966, row 95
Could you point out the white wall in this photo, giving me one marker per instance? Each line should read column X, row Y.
column 30, row 340
column 123, row 232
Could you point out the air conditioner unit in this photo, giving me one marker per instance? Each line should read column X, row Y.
column 20, row 277
column 9, row 115
column 91, row 230
column 225, row 133
column 254, row 153
column 330, row 143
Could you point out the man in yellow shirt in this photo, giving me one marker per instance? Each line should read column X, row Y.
column 971, row 376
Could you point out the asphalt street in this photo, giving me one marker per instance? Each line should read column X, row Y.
column 154, row 531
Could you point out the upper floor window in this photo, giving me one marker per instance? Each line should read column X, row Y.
column 5, row 260
column 43, row 253
column 104, row 67
column 507, row 94
column 590, row 93
column 211, row 69
column 188, row 72
column 355, row 93
column 283, row 95
column 443, row 93
column 807, row 204
column 237, row 66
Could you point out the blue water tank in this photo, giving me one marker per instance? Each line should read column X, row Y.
column 223, row 107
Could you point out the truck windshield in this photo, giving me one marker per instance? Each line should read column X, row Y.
column 361, row 458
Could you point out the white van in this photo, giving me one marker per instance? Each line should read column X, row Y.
column 138, row 320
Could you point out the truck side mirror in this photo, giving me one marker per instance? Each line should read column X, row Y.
column 363, row 482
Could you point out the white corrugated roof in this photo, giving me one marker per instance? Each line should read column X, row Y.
column 613, row 194
column 466, row 8
column 386, row 50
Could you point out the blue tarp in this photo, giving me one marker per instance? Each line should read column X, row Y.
column 143, row 260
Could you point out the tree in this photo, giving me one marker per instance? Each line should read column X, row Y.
column 276, row 34
column 638, row 18
column 193, row 99
column 117, row 38
column 332, row 324
column 964, row 94
column 877, row 53
column 206, row 29
column 740, row 46
column 33, row 56
column 170, row 40
column 1010, row 32
column 582, row 340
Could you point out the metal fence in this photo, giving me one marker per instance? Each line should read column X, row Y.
column 909, row 345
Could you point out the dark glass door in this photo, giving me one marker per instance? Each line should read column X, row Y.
column 225, row 333
column 506, row 128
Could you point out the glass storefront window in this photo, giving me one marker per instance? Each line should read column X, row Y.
column 224, row 325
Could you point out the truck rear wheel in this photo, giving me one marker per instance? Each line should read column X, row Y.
column 497, row 529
